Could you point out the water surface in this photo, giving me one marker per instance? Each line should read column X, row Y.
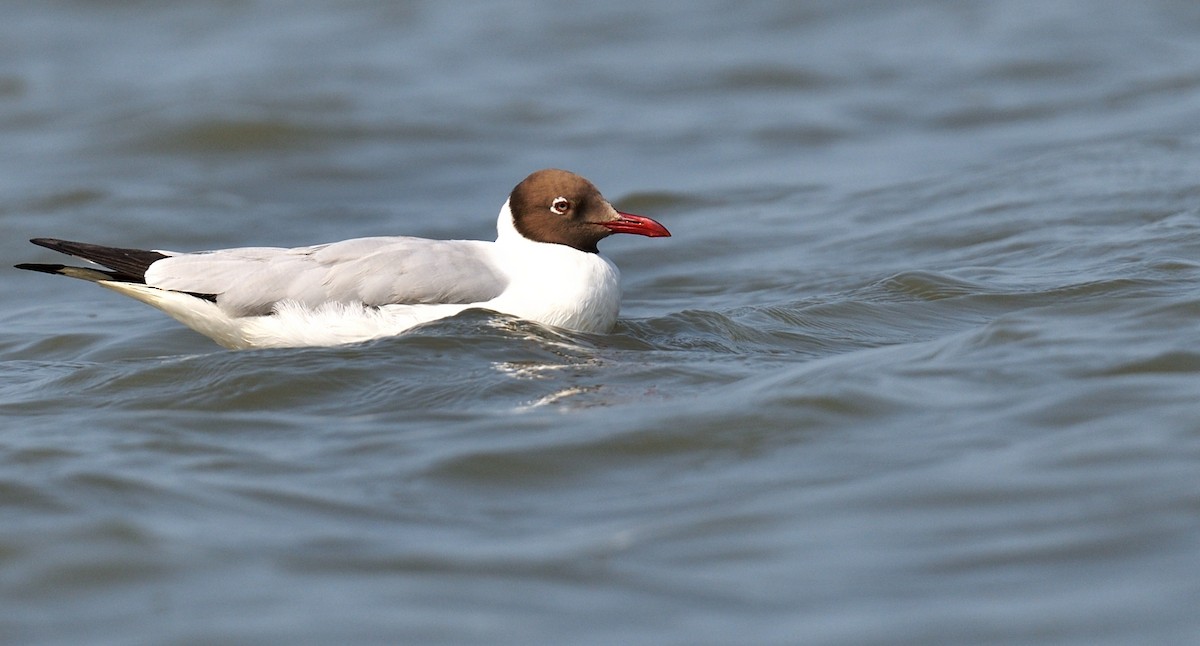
column 918, row 366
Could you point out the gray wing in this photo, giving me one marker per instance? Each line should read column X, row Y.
column 372, row 271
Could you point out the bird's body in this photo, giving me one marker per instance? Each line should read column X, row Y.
column 543, row 267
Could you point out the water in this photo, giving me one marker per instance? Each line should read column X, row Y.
column 918, row 366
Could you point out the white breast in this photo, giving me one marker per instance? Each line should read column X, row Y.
column 563, row 287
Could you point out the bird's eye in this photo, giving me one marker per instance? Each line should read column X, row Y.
column 560, row 205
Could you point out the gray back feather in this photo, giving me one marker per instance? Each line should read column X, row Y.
column 372, row 271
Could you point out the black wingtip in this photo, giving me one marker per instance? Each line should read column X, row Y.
column 129, row 265
column 45, row 269
column 50, row 243
column 90, row 274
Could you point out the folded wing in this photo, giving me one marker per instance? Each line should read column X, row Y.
column 372, row 271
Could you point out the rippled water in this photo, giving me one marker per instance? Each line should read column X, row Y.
column 918, row 366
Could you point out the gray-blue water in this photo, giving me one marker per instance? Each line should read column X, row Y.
column 920, row 365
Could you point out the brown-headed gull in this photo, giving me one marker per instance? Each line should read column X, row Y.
column 543, row 266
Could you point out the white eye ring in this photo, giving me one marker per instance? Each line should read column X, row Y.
column 560, row 205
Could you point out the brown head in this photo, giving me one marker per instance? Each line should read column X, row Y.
column 561, row 207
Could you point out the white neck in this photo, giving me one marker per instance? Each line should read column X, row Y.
column 505, row 229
